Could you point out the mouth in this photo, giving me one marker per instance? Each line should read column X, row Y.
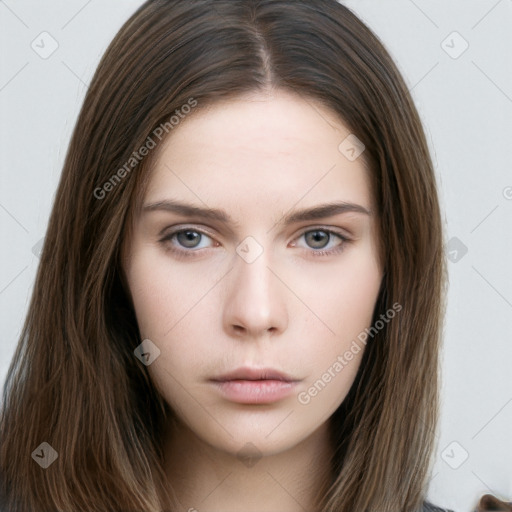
column 255, row 385
column 248, row 373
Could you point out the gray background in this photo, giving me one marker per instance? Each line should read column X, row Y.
column 464, row 96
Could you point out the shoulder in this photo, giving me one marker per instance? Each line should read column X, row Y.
column 428, row 507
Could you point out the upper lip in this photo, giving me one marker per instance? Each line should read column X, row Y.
column 249, row 373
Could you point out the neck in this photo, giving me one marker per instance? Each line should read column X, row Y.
column 206, row 478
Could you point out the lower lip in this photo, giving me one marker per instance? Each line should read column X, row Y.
column 255, row 391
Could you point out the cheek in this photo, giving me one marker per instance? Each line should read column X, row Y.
column 161, row 294
column 345, row 303
column 358, row 290
column 342, row 296
column 170, row 312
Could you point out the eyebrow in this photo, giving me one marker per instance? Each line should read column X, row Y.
column 315, row 213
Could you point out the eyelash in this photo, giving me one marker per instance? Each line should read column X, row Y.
column 191, row 253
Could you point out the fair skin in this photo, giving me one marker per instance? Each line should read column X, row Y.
column 278, row 304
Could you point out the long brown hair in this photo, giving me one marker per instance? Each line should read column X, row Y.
column 74, row 381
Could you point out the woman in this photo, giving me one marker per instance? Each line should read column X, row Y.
column 288, row 361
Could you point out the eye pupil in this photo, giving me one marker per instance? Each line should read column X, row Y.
column 317, row 236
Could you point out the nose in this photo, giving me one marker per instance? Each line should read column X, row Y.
column 255, row 300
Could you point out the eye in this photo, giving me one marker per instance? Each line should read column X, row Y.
column 186, row 239
column 186, row 242
column 320, row 238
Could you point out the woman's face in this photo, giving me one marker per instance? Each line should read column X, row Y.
column 246, row 281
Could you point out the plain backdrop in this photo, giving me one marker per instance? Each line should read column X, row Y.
column 456, row 58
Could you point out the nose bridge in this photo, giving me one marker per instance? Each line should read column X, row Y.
column 255, row 302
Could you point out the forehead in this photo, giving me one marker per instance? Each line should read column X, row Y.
column 258, row 153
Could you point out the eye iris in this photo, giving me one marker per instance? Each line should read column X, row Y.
column 317, row 236
column 186, row 237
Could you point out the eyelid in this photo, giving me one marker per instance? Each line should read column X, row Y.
column 171, row 230
column 344, row 233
